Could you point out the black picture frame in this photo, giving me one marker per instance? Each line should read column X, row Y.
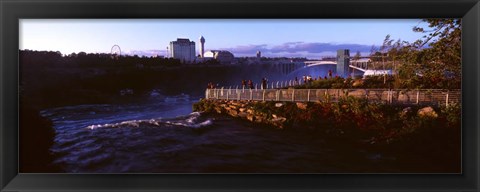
column 11, row 11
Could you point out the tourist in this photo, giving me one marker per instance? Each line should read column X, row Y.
column 250, row 84
column 264, row 83
column 330, row 73
column 244, row 83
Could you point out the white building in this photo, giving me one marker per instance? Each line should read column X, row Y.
column 183, row 49
column 223, row 57
column 371, row 72
column 362, row 62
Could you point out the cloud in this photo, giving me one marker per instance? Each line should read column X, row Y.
column 247, row 49
column 298, row 49
column 147, row 53
column 289, row 49
column 317, row 47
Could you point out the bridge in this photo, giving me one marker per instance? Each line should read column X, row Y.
column 344, row 66
column 361, row 65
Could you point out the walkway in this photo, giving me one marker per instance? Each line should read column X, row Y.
column 393, row 96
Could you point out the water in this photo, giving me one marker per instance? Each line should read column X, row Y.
column 166, row 137
column 313, row 71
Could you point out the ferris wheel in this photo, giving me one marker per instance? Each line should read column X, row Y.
column 116, row 51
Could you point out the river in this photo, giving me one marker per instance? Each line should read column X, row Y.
column 167, row 137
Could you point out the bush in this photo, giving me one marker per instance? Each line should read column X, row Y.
column 204, row 105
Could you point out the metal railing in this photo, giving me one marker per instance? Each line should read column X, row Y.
column 392, row 96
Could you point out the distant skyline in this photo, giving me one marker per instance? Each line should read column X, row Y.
column 311, row 38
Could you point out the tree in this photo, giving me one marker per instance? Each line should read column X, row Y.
column 434, row 61
column 357, row 55
column 387, row 44
column 373, row 52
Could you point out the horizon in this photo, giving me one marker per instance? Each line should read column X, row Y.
column 304, row 38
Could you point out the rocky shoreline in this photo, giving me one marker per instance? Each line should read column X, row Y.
column 431, row 133
column 353, row 117
column 244, row 110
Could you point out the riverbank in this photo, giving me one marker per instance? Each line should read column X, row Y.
column 411, row 133
column 36, row 135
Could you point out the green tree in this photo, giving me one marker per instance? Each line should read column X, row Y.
column 434, row 61
column 357, row 55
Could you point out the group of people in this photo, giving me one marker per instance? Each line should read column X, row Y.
column 308, row 78
column 211, row 86
column 249, row 84
column 246, row 84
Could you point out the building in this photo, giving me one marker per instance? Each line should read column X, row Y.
column 223, row 57
column 371, row 72
column 202, row 46
column 343, row 62
column 183, row 49
column 361, row 62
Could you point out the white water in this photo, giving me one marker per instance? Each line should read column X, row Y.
column 110, row 138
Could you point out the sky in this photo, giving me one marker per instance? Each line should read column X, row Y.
column 311, row 38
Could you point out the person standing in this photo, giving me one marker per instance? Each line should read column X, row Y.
column 250, row 84
column 264, row 83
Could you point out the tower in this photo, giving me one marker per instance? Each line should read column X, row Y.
column 202, row 46
column 343, row 62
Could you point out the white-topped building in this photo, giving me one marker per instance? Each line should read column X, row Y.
column 224, row 57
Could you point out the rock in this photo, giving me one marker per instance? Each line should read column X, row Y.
column 233, row 106
column 279, row 119
column 278, row 104
column 427, row 112
column 218, row 109
column 250, row 111
column 242, row 114
column 404, row 112
column 278, row 122
column 242, row 109
column 357, row 83
column 251, row 117
column 259, row 119
column 232, row 112
column 302, row 106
